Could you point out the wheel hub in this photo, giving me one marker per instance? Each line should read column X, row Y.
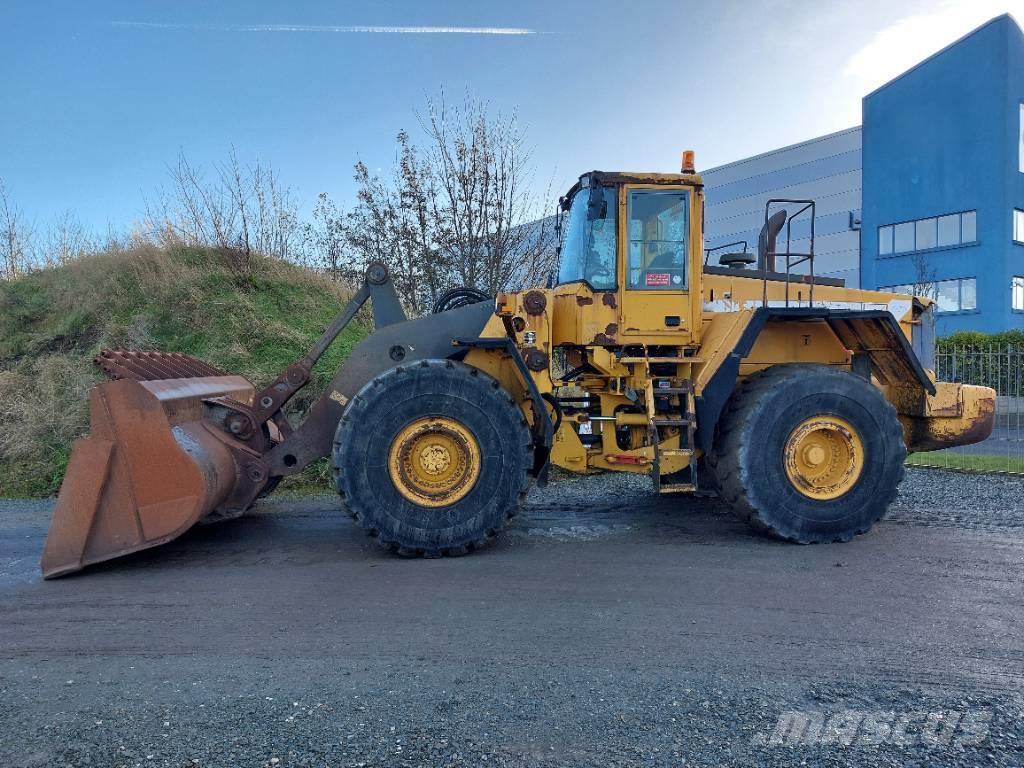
column 824, row 457
column 434, row 461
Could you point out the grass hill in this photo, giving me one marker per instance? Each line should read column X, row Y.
column 53, row 322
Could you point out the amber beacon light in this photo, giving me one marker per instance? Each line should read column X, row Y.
column 688, row 161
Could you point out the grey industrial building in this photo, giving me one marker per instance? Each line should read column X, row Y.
column 826, row 169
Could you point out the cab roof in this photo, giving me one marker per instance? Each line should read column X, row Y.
column 637, row 177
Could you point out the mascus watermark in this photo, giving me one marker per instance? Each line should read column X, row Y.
column 859, row 728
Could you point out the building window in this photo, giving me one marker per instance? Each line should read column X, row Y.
column 959, row 295
column 949, row 230
column 968, row 227
column 968, row 295
column 947, row 294
column 904, row 290
column 1020, row 140
column 925, row 234
column 1018, row 225
column 884, row 241
column 1017, row 294
column 904, row 240
column 933, row 232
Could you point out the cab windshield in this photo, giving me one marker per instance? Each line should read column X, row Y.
column 588, row 248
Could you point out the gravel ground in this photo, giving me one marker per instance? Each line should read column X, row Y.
column 607, row 627
column 935, row 497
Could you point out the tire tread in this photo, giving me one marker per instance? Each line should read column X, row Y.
column 365, row 519
column 731, row 445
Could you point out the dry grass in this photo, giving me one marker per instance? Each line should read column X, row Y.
column 43, row 408
column 52, row 323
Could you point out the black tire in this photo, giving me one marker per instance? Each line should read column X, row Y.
column 401, row 397
column 749, row 452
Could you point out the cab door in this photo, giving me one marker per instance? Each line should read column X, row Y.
column 656, row 237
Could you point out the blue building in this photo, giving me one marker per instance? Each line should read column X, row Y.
column 931, row 186
column 943, row 180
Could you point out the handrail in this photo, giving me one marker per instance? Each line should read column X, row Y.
column 800, row 257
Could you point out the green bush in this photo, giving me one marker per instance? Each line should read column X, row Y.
column 990, row 359
column 996, row 341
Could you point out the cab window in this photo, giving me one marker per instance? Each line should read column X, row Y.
column 658, row 224
column 588, row 246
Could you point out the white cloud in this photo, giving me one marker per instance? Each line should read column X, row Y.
column 329, row 28
column 901, row 45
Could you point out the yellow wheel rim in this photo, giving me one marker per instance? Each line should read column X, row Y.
column 824, row 457
column 434, row 461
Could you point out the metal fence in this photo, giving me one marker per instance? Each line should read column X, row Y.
column 1001, row 368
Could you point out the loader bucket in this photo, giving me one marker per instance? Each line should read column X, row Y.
column 149, row 470
column 174, row 441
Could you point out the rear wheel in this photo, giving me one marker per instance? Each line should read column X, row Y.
column 432, row 458
column 809, row 453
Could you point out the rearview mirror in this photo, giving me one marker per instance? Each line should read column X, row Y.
column 597, row 206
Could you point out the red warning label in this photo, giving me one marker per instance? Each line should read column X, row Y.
column 657, row 278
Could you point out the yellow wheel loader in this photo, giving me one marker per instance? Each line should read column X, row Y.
column 795, row 398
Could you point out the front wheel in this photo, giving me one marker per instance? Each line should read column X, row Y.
column 432, row 458
column 809, row 453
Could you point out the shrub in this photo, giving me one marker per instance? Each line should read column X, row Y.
column 996, row 341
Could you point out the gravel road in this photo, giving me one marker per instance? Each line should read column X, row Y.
column 607, row 627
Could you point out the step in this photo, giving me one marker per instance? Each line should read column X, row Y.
column 671, row 390
column 672, row 422
column 676, row 360
column 677, row 488
column 675, row 452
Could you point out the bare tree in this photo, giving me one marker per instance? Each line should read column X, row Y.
column 478, row 163
column 326, row 239
column 16, row 237
column 275, row 220
column 924, row 276
column 66, row 239
column 459, row 211
column 243, row 210
column 194, row 211
column 536, row 246
column 394, row 222
column 237, row 188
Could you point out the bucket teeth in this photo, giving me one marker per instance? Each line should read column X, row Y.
column 152, row 467
column 152, row 366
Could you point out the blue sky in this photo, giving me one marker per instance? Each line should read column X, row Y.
column 99, row 97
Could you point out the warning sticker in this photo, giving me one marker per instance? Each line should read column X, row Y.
column 657, row 278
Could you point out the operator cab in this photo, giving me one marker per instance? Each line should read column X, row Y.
column 636, row 234
column 656, row 237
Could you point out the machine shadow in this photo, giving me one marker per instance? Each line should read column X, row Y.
column 277, row 536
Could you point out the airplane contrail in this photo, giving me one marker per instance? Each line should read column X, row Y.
column 329, row 28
